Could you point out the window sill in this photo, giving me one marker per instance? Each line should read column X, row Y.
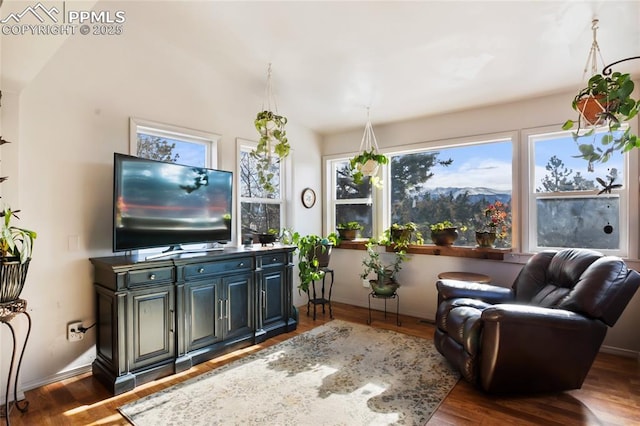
column 433, row 250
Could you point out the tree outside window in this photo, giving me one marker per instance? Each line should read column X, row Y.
column 568, row 209
column 260, row 210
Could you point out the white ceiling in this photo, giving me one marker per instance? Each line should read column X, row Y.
column 331, row 60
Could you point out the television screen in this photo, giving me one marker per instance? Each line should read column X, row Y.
column 157, row 204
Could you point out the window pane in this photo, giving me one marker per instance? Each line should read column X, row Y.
column 361, row 213
column 171, row 150
column 557, row 169
column 454, row 184
column 579, row 222
column 345, row 187
column 259, row 217
column 250, row 186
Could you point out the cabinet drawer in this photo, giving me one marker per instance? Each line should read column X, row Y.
column 149, row 276
column 226, row 266
column 276, row 259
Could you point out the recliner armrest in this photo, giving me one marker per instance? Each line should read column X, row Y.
column 534, row 316
column 453, row 289
column 535, row 348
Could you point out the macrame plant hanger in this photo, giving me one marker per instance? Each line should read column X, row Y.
column 270, row 100
column 369, row 144
column 590, row 106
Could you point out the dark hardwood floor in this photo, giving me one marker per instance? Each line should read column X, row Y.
column 610, row 395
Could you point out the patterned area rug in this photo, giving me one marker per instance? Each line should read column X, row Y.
column 340, row 373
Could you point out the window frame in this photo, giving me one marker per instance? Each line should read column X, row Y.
column 628, row 195
column 286, row 171
column 381, row 197
column 207, row 139
column 329, row 200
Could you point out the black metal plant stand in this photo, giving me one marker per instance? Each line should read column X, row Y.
column 8, row 311
column 322, row 300
column 394, row 295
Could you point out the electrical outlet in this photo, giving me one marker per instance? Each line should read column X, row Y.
column 73, row 331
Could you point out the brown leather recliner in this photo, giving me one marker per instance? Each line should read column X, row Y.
column 542, row 334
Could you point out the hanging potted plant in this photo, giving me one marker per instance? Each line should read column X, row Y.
column 366, row 164
column 605, row 101
column 273, row 140
column 16, row 246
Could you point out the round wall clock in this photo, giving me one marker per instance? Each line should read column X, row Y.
column 308, row 197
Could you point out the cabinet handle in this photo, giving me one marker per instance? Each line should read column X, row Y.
column 275, row 259
column 172, row 315
column 240, row 265
column 220, row 306
column 152, row 276
column 200, row 270
column 264, row 299
column 228, row 316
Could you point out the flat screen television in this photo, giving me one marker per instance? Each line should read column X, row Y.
column 158, row 204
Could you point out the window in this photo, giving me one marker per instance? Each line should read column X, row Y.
column 452, row 183
column 568, row 205
column 173, row 144
column 557, row 202
column 260, row 210
column 163, row 142
column 350, row 201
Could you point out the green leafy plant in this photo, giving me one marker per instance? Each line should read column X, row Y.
column 400, row 236
column 613, row 95
column 273, row 140
column 373, row 263
column 353, row 225
column 14, row 241
column 356, row 164
column 308, row 264
column 441, row 226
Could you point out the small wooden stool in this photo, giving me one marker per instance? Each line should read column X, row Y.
column 465, row 276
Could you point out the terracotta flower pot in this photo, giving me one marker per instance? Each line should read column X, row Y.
column 591, row 107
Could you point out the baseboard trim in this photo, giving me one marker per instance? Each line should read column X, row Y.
column 621, row 352
column 56, row 377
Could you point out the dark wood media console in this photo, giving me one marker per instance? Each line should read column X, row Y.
column 159, row 317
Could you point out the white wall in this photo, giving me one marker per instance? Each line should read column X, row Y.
column 70, row 119
column 418, row 276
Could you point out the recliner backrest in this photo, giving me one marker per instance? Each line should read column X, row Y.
column 580, row 280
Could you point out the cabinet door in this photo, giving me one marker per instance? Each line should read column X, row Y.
column 203, row 311
column 152, row 326
column 272, row 296
column 238, row 292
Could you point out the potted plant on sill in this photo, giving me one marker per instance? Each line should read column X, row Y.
column 366, row 164
column 494, row 224
column 402, row 235
column 273, row 140
column 269, row 237
column 314, row 253
column 16, row 247
column 349, row 230
column 385, row 283
column 444, row 233
column 606, row 100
